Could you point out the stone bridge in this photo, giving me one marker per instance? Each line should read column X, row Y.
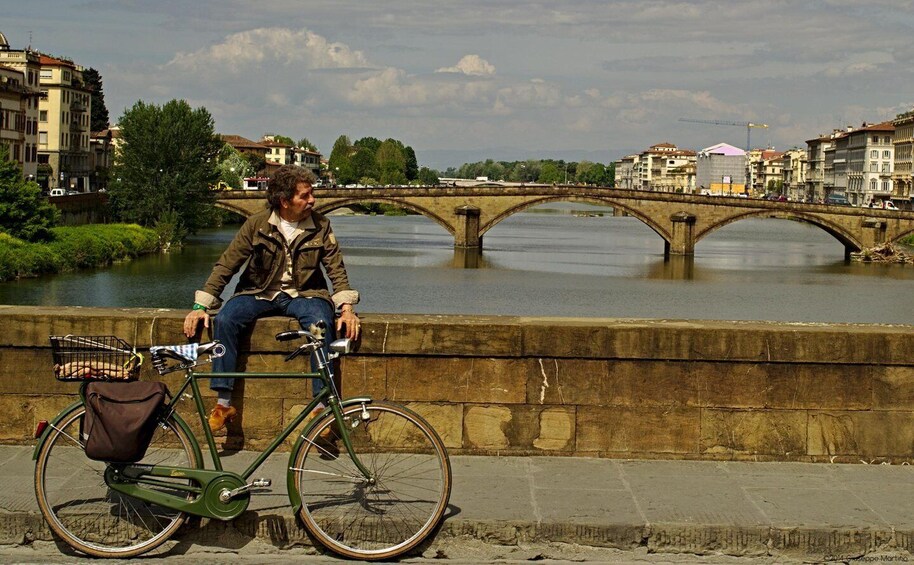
column 681, row 220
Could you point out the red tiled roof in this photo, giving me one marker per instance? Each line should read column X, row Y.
column 52, row 62
column 238, row 141
column 884, row 126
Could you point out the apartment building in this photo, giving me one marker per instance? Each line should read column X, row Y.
column 869, row 160
column 793, row 173
column 903, row 167
column 815, row 166
column 721, row 169
column 662, row 167
column 63, row 122
column 767, row 171
column 307, row 159
column 625, row 171
column 277, row 153
column 19, row 106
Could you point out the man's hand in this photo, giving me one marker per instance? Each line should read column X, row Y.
column 351, row 321
column 192, row 322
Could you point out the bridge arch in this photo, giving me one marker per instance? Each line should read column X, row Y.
column 841, row 234
column 325, row 205
column 634, row 212
column 236, row 206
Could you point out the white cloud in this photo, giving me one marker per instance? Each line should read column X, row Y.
column 472, row 65
column 269, row 47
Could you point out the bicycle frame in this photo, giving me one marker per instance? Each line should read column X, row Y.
column 210, row 485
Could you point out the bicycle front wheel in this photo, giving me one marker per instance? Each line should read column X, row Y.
column 80, row 508
column 395, row 509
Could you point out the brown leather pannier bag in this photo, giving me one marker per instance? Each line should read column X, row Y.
column 121, row 419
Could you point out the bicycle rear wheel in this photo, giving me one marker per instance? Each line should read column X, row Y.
column 85, row 513
column 395, row 511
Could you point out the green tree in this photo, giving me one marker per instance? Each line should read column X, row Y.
column 306, row 143
column 340, row 161
column 391, row 162
column 166, row 163
column 610, row 178
column 372, row 144
column 24, row 213
column 99, row 118
column 365, row 164
column 233, row 166
column 412, row 163
column 428, row 176
column 256, row 162
column 284, row 139
column 550, row 174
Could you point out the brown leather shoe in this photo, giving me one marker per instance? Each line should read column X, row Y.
column 220, row 415
column 327, row 432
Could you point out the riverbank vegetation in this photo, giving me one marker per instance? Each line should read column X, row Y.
column 74, row 247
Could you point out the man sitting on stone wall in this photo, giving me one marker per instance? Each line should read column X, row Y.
column 284, row 248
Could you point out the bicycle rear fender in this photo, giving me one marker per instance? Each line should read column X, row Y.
column 53, row 424
column 291, row 487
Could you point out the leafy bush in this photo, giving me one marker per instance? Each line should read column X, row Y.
column 74, row 247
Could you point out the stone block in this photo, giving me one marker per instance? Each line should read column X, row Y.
column 446, row 419
column 30, row 371
column 556, row 430
column 865, row 434
column 661, row 383
column 19, row 414
column 485, row 427
column 557, row 338
column 364, row 376
column 637, row 429
column 575, row 381
column 751, row 432
column 893, row 388
column 429, row 379
column 732, row 385
column 446, row 335
column 819, row 386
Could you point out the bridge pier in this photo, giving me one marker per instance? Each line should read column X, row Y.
column 874, row 232
column 683, row 240
column 467, row 232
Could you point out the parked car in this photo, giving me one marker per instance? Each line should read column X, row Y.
column 889, row 205
column 837, row 199
column 57, row 192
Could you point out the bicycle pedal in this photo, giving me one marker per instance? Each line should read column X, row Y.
column 261, row 483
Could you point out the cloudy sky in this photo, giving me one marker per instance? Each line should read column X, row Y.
column 508, row 79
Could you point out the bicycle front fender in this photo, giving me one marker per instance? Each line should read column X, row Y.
column 291, row 487
column 53, row 424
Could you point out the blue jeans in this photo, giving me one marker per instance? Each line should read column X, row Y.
column 237, row 315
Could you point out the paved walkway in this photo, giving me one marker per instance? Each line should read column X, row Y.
column 790, row 510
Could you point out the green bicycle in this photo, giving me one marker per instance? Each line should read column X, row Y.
column 370, row 480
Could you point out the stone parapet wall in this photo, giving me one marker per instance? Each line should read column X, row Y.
column 586, row 387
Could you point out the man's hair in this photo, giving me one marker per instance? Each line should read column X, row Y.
column 284, row 183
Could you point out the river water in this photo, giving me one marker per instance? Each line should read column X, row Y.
column 547, row 262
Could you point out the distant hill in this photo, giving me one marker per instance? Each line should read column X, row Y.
column 441, row 159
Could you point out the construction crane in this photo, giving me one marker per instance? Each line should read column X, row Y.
column 747, row 125
column 750, row 182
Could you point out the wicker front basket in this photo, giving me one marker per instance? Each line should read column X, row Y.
column 97, row 358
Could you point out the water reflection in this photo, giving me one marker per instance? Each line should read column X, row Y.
column 541, row 264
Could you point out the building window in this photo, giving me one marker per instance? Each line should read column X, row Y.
column 46, row 73
column 886, row 155
column 886, row 168
column 873, row 185
column 42, row 115
column 886, row 186
column 874, row 154
column 66, row 76
column 874, row 167
column 42, row 138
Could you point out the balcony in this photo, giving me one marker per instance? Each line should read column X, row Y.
column 75, row 126
column 78, row 107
